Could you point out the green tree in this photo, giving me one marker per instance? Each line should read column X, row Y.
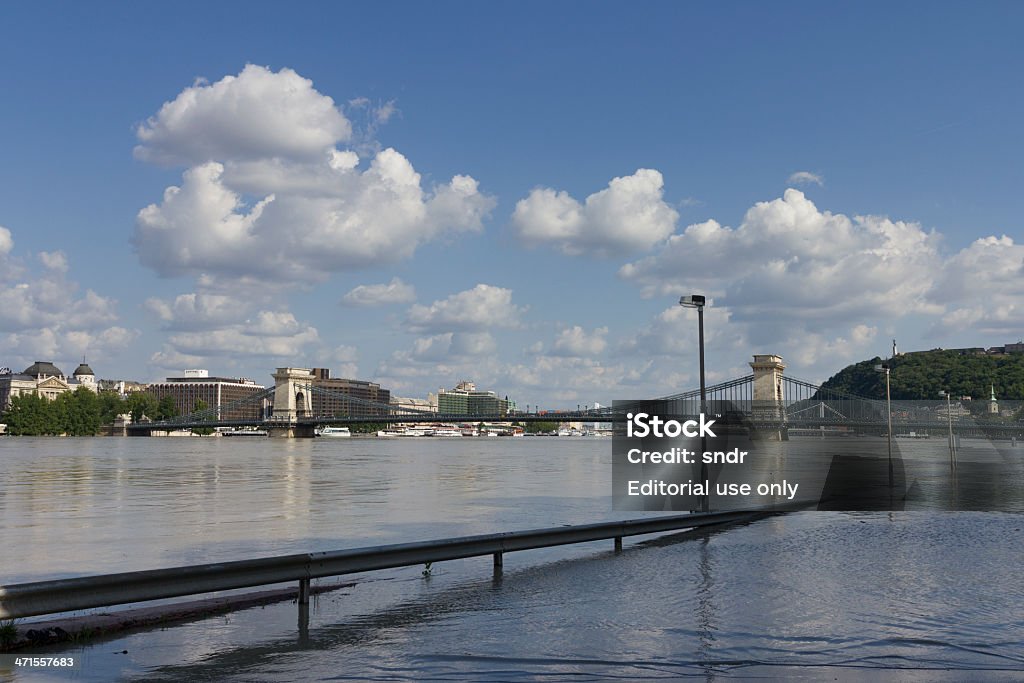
column 166, row 409
column 920, row 376
column 30, row 415
column 539, row 427
column 77, row 413
column 111, row 405
column 140, row 403
column 199, row 406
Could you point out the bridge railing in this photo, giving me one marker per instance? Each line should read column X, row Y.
column 67, row 595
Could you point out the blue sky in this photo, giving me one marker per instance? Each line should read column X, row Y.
column 537, row 183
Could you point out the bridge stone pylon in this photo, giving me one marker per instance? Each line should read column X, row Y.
column 768, row 402
column 292, row 402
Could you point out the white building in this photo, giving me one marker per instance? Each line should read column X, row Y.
column 46, row 379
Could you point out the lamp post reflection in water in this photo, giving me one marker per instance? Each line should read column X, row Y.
column 884, row 367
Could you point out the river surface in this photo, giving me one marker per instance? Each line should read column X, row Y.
column 911, row 596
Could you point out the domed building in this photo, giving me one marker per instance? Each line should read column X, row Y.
column 45, row 379
column 85, row 377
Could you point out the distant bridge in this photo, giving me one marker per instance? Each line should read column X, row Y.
column 287, row 408
column 766, row 399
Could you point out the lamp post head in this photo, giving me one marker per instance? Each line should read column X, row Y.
column 692, row 301
column 882, row 368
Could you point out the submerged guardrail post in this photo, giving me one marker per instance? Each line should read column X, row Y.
column 498, row 563
column 618, row 544
column 304, row 591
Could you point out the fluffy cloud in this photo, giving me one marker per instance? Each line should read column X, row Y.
column 813, row 350
column 194, row 311
column 379, row 216
column 256, row 114
column 10, row 270
column 473, row 344
column 43, row 316
column 245, row 340
column 345, row 354
column 406, row 373
column 549, row 380
column 567, row 381
column 269, row 196
column 578, row 343
column 50, row 301
column 100, row 343
column 673, row 333
column 476, row 309
column 627, row 216
column 271, row 334
column 790, row 264
column 983, row 285
column 394, row 292
column 450, row 347
column 342, row 361
column 207, row 326
column 54, row 260
column 806, row 178
column 6, row 242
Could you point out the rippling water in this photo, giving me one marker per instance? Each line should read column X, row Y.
column 813, row 596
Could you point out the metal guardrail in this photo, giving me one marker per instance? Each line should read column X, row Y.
column 66, row 595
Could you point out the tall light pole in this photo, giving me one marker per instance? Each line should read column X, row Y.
column 888, row 409
column 697, row 301
column 949, row 417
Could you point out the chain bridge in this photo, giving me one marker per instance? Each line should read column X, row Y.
column 767, row 400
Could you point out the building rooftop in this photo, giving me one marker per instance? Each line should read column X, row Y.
column 41, row 367
column 210, row 380
column 84, row 369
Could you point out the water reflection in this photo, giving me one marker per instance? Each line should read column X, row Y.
column 813, row 595
column 810, row 595
column 79, row 506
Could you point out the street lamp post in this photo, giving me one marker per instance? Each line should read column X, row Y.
column 697, row 301
column 888, row 409
column 949, row 418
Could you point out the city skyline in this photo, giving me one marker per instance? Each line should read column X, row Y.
column 517, row 202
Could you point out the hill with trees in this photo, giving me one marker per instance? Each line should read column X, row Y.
column 922, row 375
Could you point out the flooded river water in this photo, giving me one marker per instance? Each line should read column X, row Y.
column 806, row 595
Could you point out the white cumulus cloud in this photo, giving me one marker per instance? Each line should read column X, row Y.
column 267, row 336
column 790, row 264
column 268, row 194
column 806, row 178
column 6, row 242
column 254, row 115
column 54, row 260
column 983, row 288
column 205, row 328
column 195, row 310
column 629, row 215
column 576, row 342
column 44, row 316
column 394, row 292
column 477, row 309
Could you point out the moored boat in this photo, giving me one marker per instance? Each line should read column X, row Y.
column 244, row 432
column 334, row 432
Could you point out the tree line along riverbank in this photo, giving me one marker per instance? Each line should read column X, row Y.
column 79, row 413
